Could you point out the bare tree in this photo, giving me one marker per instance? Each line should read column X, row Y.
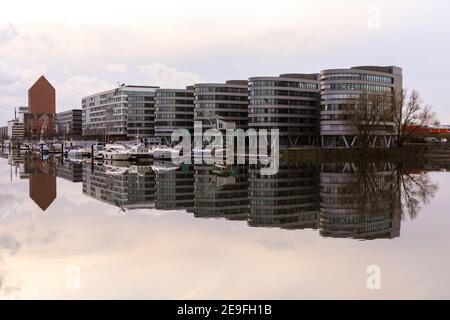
column 410, row 114
column 371, row 115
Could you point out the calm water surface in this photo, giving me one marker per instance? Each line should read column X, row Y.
column 118, row 230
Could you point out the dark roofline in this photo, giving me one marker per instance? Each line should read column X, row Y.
column 137, row 86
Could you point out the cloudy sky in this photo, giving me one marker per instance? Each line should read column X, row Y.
column 85, row 46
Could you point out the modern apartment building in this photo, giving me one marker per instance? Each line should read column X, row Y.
column 174, row 109
column 4, row 133
column 69, row 123
column 308, row 109
column 222, row 105
column 290, row 103
column 16, row 130
column 126, row 112
column 341, row 89
column 21, row 113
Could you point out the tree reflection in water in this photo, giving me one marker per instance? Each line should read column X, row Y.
column 361, row 199
column 416, row 188
column 369, row 199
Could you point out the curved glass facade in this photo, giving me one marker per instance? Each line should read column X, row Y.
column 226, row 102
column 174, row 109
column 289, row 103
column 340, row 90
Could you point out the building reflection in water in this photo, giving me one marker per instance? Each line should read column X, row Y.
column 359, row 201
column 363, row 200
column 71, row 170
column 42, row 180
column 289, row 199
column 120, row 183
column 174, row 189
column 221, row 192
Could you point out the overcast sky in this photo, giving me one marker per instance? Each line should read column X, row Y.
column 85, row 46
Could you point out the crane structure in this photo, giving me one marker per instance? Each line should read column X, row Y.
column 219, row 122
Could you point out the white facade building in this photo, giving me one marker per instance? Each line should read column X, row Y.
column 125, row 112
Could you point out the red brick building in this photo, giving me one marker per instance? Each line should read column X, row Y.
column 42, row 107
column 41, row 97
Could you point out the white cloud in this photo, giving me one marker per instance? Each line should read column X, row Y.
column 70, row 91
column 116, row 67
column 8, row 75
column 16, row 79
column 7, row 33
column 196, row 38
column 167, row 77
column 9, row 243
column 14, row 83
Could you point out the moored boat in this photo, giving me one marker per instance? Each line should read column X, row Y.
column 77, row 152
column 164, row 152
column 164, row 166
column 116, row 152
column 140, row 151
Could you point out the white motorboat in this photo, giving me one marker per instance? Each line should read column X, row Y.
column 139, row 170
column 115, row 152
column 140, row 151
column 75, row 160
column 151, row 150
column 113, row 170
column 99, row 150
column 206, row 153
column 164, row 152
column 57, row 146
column 26, row 147
column 42, row 148
column 161, row 167
column 118, row 164
column 77, row 152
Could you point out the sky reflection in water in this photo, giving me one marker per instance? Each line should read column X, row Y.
column 134, row 233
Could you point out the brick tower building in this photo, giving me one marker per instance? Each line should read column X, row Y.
column 42, row 108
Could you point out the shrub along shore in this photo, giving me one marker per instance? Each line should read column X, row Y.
column 410, row 152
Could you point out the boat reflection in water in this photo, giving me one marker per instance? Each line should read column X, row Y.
column 364, row 200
